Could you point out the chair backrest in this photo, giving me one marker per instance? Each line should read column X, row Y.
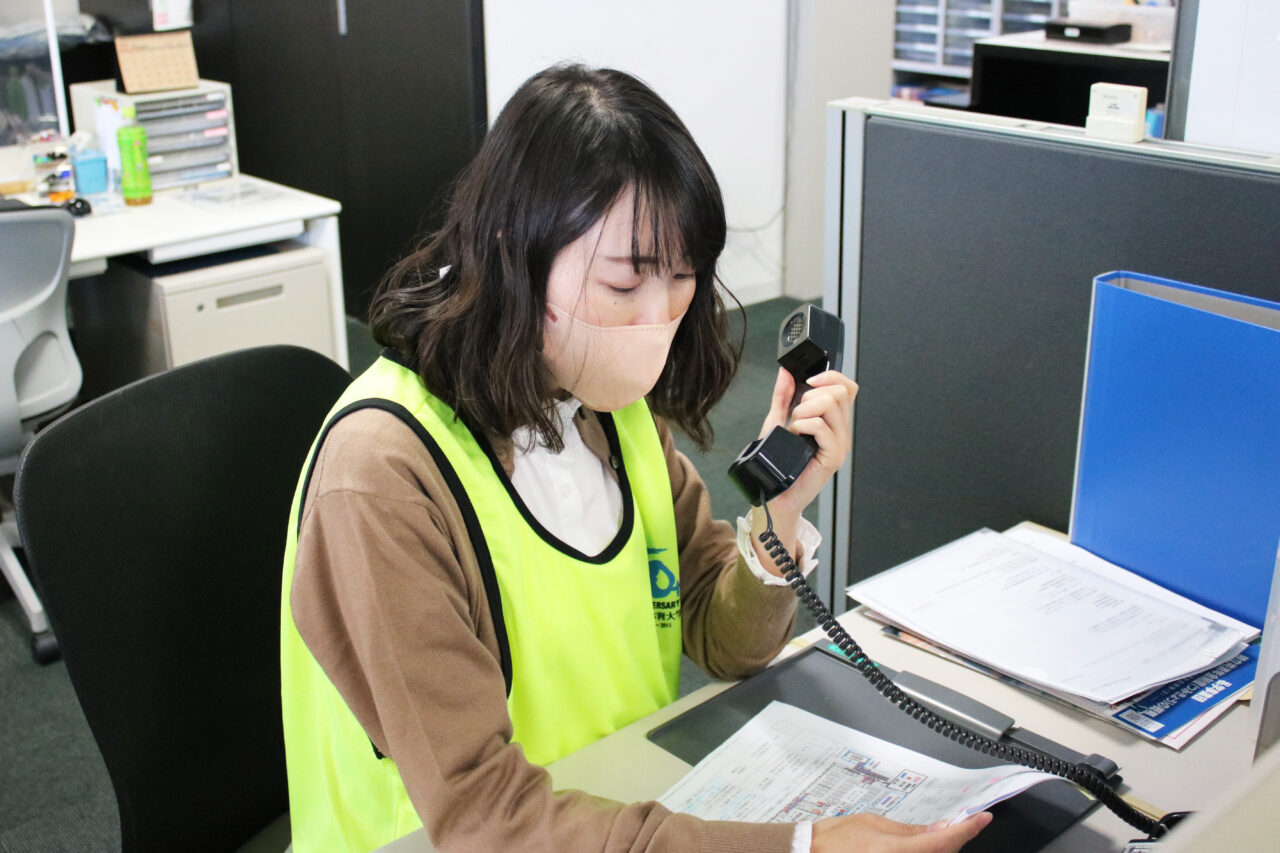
column 154, row 520
column 39, row 371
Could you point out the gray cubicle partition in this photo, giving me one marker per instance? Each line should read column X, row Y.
column 961, row 252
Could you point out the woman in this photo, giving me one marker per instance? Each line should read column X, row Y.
column 497, row 555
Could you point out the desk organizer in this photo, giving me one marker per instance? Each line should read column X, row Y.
column 191, row 135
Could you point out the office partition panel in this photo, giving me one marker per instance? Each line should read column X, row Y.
column 961, row 253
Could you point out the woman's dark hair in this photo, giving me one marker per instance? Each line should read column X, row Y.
column 569, row 142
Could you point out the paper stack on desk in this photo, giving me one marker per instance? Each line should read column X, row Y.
column 1035, row 609
column 1171, row 715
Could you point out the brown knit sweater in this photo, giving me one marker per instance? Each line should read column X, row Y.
column 387, row 595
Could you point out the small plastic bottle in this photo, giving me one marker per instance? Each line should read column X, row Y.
column 135, row 174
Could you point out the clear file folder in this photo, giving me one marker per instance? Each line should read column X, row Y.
column 1178, row 468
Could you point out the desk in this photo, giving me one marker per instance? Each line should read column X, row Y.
column 1158, row 775
column 1026, row 75
column 173, row 227
column 626, row 766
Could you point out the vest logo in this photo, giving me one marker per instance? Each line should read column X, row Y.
column 662, row 581
column 665, row 587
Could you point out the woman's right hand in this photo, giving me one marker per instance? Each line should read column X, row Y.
column 868, row 833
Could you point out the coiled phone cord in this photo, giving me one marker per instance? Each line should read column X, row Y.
column 1085, row 776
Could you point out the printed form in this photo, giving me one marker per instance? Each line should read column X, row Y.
column 787, row 765
column 1062, row 549
column 1045, row 621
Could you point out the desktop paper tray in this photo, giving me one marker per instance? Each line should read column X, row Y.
column 822, row 683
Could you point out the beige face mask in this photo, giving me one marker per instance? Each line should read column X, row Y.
column 606, row 367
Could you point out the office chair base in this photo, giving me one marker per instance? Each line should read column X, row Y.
column 44, row 646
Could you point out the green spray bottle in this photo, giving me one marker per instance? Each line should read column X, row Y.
column 135, row 174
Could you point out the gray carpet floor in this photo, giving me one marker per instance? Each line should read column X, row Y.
column 55, row 795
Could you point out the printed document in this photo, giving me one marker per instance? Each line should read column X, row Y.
column 1045, row 621
column 787, row 765
column 1062, row 549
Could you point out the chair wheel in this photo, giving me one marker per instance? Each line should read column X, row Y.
column 44, row 647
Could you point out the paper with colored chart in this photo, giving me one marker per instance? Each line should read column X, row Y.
column 788, row 765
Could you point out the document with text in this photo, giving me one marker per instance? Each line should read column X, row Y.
column 1062, row 549
column 788, row 765
column 1046, row 621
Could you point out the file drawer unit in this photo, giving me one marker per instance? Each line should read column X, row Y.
column 191, row 136
column 137, row 319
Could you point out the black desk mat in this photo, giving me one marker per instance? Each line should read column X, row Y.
column 826, row 684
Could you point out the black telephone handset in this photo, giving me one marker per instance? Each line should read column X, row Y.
column 810, row 342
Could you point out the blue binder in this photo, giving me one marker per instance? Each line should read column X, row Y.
column 1178, row 468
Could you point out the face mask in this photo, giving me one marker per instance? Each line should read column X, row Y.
column 606, row 367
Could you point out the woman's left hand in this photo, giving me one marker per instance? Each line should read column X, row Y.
column 825, row 413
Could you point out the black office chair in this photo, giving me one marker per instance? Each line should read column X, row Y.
column 154, row 520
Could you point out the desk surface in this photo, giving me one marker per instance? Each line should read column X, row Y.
column 1038, row 40
column 185, row 227
column 175, row 226
column 1170, row 781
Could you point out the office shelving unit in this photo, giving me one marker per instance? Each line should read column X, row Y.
column 935, row 37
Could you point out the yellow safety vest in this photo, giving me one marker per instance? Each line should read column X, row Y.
column 591, row 643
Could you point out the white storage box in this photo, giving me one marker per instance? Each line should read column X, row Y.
column 191, row 136
column 137, row 319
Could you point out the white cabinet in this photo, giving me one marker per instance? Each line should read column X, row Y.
column 281, row 298
column 137, row 319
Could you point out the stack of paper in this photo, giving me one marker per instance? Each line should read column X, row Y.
column 1033, row 608
column 1171, row 715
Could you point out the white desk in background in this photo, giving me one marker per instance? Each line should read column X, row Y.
column 626, row 766
column 186, row 223
column 1038, row 40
